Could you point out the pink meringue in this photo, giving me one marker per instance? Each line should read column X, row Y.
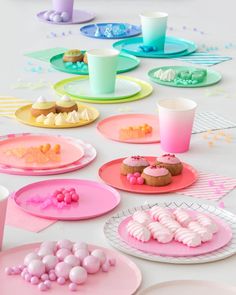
column 138, row 231
column 204, row 233
column 182, row 216
column 157, row 213
column 160, row 232
column 187, row 237
column 207, row 222
column 170, row 223
column 141, row 217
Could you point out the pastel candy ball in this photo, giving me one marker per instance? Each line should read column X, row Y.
column 61, row 281
column 100, row 255
column 52, row 277
column 62, row 253
column 75, row 197
column 78, row 275
column 129, row 175
column 36, row 268
column 42, row 287
column 80, row 245
column 49, row 244
column 72, row 260
column 44, row 251
column 65, row 16
column 46, row 15
column 57, row 18
column 44, row 277
column 29, row 257
column 60, row 197
column 106, row 266
column 65, row 244
column 62, row 269
column 73, row 287
column 51, row 16
column 68, row 199
column 50, row 261
column 34, row 280
column 27, row 277
column 81, row 254
column 8, row 270
column 137, row 174
column 132, row 180
column 140, row 180
column 91, row 264
column 48, row 284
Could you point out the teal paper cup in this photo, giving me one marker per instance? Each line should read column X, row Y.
column 154, row 26
column 102, row 65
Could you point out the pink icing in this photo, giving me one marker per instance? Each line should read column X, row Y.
column 155, row 171
column 135, row 161
column 168, row 159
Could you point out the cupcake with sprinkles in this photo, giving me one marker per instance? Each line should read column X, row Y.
column 133, row 164
column 156, row 176
column 171, row 163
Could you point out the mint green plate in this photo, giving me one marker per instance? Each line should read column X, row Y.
column 212, row 77
column 126, row 62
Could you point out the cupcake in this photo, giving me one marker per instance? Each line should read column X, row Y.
column 66, row 105
column 133, row 164
column 85, row 59
column 171, row 163
column 156, row 176
column 73, row 55
column 42, row 107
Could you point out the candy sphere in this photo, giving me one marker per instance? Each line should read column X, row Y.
column 129, row 175
column 36, row 268
column 45, row 251
column 8, row 270
column 62, row 253
column 52, row 277
column 80, row 245
column 34, row 280
column 44, row 277
column 48, row 284
column 100, row 255
column 91, row 264
column 50, row 261
column 132, row 180
column 65, row 244
column 46, row 15
column 49, row 244
column 81, row 254
column 72, row 260
column 73, row 287
column 137, row 174
column 29, row 257
column 140, row 180
column 78, row 275
column 106, row 266
column 51, row 16
column 62, row 269
column 57, row 18
column 27, row 277
column 42, row 287
column 61, row 281
column 65, row 16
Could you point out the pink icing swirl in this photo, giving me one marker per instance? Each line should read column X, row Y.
column 135, row 161
column 155, row 171
column 168, row 159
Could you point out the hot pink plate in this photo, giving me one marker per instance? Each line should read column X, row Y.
column 70, row 153
column 111, row 126
column 110, row 173
column 176, row 249
column 95, row 199
column 124, row 278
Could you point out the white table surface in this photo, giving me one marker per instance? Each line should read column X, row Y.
column 21, row 32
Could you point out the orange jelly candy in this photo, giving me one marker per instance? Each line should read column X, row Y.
column 135, row 131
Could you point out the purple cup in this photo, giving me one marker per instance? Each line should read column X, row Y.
column 63, row 6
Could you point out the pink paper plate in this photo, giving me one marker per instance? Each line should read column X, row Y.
column 111, row 126
column 176, row 249
column 95, row 199
column 70, row 152
column 124, row 278
column 110, row 173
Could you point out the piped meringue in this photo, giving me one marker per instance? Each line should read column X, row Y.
column 187, row 237
column 160, row 232
column 138, row 231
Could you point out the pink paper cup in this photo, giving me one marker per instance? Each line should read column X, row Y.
column 63, row 6
column 4, row 194
column 176, row 118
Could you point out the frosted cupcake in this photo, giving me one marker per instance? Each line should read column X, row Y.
column 66, row 105
column 133, row 164
column 156, row 176
column 42, row 107
column 170, row 162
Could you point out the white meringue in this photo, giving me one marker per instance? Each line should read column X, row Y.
column 207, row 222
column 157, row 213
column 60, row 120
column 138, row 231
column 187, row 237
column 160, row 232
column 165, row 75
column 41, row 99
column 40, row 119
column 170, row 223
column 65, row 98
column 141, row 217
column 204, row 233
column 182, row 216
column 85, row 115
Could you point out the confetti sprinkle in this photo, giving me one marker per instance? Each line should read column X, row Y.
column 221, row 205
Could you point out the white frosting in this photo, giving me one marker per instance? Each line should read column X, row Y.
column 85, row 115
column 65, row 98
column 141, row 217
column 49, row 121
column 204, row 233
column 160, row 232
column 157, row 213
column 187, row 237
column 207, row 222
column 41, row 99
column 182, row 216
column 167, row 75
column 40, row 119
column 60, row 120
column 51, row 116
column 170, row 223
column 138, row 231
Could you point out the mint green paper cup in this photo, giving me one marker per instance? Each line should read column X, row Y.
column 102, row 65
column 154, row 25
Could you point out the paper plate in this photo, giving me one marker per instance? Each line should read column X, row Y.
column 110, row 127
column 23, row 115
column 146, row 90
column 110, row 174
column 185, row 287
column 89, row 30
column 70, row 153
column 95, row 199
column 126, row 62
column 79, row 17
column 136, row 42
column 89, row 156
column 212, row 77
column 123, row 89
column 100, row 284
column 176, row 249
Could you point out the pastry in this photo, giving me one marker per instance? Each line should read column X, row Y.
column 170, row 223
column 65, row 104
column 182, row 217
column 42, row 107
column 156, row 176
column 204, row 233
column 171, row 163
column 138, row 231
column 157, row 213
column 73, row 55
column 207, row 222
column 160, row 232
column 141, row 217
column 133, row 164
column 187, row 237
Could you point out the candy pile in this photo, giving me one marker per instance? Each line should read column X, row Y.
column 56, row 17
column 213, row 137
column 112, row 30
column 135, row 131
column 64, row 262
column 135, row 178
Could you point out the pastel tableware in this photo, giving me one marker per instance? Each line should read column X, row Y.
column 176, row 118
column 102, row 64
column 100, row 284
column 4, row 194
column 63, row 6
column 154, row 26
column 110, row 174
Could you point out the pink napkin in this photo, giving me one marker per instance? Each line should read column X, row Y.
column 210, row 187
column 18, row 218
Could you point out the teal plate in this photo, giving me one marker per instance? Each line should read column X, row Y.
column 131, row 46
column 126, row 62
column 212, row 77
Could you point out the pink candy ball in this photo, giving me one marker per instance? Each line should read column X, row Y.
column 42, row 287
column 106, row 266
column 75, row 197
column 34, row 280
column 8, row 270
column 81, row 254
column 62, row 269
column 36, row 268
column 78, row 275
column 133, row 180
column 72, row 260
column 49, row 244
column 50, row 261
column 45, row 251
column 48, row 284
column 137, row 174
column 52, row 277
column 68, row 199
column 100, row 255
column 91, row 264
column 140, row 180
column 73, row 287
column 60, row 197
column 65, row 244
column 61, row 281
column 62, row 253
column 29, row 257
column 129, row 175
column 27, row 277
column 44, row 277
column 80, row 245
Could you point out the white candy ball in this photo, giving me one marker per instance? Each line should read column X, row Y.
column 78, row 275
column 100, row 255
column 29, row 257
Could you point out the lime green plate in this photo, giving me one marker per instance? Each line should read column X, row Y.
column 126, row 63
column 146, row 90
column 212, row 77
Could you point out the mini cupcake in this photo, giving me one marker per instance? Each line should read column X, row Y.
column 171, row 163
column 66, row 105
column 156, row 176
column 42, row 107
column 133, row 164
column 73, row 55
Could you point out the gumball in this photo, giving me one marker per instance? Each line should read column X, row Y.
column 62, row 269
column 80, row 245
column 72, row 260
column 74, row 197
column 60, row 197
column 73, row 287
column 44, row 251
column 91, row 264
column 78, row 275
column 68, row 199
column 129, row 175
column 48, row 284
column 29, row 257
column 61, row 281
column 44, row 277
column 50, row 261
column 65, row 244
column 140, row 180
column 46, row 15
column 8, row 270
column 34, row 280
column 132, row 180
column 106, row 266
column 42, row 287
column 27, row 277
column 100, row 255
column 51, row 16
column 52, row 277
column 62, row 253
column 137, row 174
column 36, row 268
column 81, row 253
column 65, row 16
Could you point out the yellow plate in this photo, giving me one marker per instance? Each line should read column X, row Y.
column 146, row 90
column 23, row 115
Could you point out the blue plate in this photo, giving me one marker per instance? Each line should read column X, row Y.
column 126, row 30
column 174, row 47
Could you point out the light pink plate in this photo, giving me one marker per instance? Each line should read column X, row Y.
column 186, row 287
column 176, row 249
column 111, row 126
column 110, row 173
column 95, row 199
column 124, row 278
column 70, row 153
